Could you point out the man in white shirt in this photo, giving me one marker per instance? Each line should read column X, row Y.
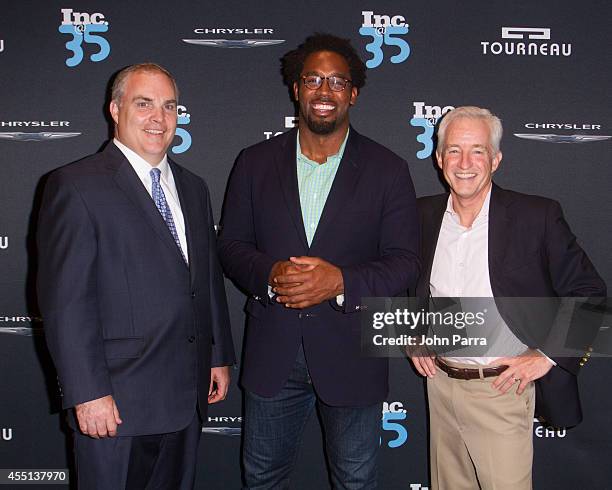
column 132, row 296
column 482, row 241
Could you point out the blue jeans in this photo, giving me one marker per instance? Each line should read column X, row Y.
column 273, row 430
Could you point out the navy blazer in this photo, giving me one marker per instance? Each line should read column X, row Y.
column 532, row 253
column 368, row 229
column 123, row 314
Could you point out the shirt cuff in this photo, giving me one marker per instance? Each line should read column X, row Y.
column 339, row 298
column 549, row 359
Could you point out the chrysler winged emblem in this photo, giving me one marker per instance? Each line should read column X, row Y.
column 562, row 138
column 23, row 331
column 234, row 43
column 222, row 431
column 42, row 136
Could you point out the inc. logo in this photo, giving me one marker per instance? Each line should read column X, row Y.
column 384, row 29
column 393, row 416
column 183, row 118
column 426, row 117
column 84, row 28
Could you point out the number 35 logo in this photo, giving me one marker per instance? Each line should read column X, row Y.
column 89, row 34
column 183, row 118
column 425, row 138
column 388, row 38
column 390, row 423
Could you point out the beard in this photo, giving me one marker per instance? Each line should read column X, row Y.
column 321, row 127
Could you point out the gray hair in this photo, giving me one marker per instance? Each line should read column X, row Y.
column 118, row 88
column 473, row 112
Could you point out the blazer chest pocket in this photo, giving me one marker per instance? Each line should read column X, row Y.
column 124, row 348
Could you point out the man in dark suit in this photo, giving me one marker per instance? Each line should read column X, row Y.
column 132, row 296
column 483, row 241
column 315, row 220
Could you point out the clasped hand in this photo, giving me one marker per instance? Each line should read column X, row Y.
column 301, row 282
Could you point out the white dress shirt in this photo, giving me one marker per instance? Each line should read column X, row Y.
column 461, row 269
column 142, row 169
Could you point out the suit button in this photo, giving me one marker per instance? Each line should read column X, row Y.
column 300, row 315
column 193, row 294
column 190, row 339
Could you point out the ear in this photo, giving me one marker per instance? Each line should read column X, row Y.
column 496, row 161
column 354, row 95
column 439, row 159
column 114, row 111
column 296, row 88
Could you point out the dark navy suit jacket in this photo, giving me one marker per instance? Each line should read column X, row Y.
column 123, row 314
column 368, row 228
column 532, row 253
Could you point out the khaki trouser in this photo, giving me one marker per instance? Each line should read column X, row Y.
column 480, row 438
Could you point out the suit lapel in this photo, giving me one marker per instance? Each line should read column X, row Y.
column 342, row 188
column 128, row 181
column 287, row 171
column 499, row 234
column 188, row 209
column 430, row 231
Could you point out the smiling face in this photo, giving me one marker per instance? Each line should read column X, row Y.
column 145, row 117
column 324, row 111
column 467, row 160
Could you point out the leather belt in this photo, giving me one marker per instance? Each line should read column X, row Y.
column 468, row 373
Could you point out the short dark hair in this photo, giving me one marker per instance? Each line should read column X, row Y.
column 118, row 87
column 292, row 62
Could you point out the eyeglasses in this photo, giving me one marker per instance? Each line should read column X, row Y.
column 336, row 84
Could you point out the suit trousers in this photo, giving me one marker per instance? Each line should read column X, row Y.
column 480, row 438
column 151, row 462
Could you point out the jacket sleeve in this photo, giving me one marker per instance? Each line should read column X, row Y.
column 572, row 275
column 398, row 265
column 222, row 343
column 238, row 252
column 571, row 271
column 67, row 292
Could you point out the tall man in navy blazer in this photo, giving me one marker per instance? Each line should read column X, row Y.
column 132, row 296
column 314, row 220
column 483, row 241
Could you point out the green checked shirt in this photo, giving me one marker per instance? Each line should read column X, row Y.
column 314, row 183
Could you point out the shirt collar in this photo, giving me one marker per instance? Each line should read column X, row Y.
column 330, row 159
column 484, row 210
column 140, row 165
